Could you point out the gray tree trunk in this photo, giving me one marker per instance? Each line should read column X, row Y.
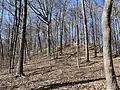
column 85, row 30
column 77, row 38
column 61, row 31
column 48, row 39
column 20, row 62
column 1, row 44
column 107, row 51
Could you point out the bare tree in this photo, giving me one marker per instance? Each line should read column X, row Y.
column 111, row 81
column 77, row 38
column 1, row 21
column 44, row 13
column 20, row 61
column 85, row 30
column 93, row 24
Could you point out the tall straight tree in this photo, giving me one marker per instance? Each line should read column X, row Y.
column 1, row 21
column 61, row 29
column 94, row 30
column 63, row 12
column 77, row 33
column 20, row 62
column 12, row 37
column 111, row 81
column 85, row 30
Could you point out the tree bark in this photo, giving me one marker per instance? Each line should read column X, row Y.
column 61, row 32
column 20, row 62
column 48, row 39
column 111, row 81
column 85, row 30
column 39, row 39
column 1, row 44
column 94, row 30
column 77, row 38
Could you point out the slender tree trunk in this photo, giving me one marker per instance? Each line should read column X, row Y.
column 111, row 81
column 11, row 51
column 27, row 50
column 100, row 37
column 114, row 37
column 39, row 40
column 1, row 44
column 93, row 29
column 65, row 35
column 57, row 40
column 48, row 39
column 72, row 32
column 77, row 38
column 69, row 34
column 95, row 33
column 61, row 32
column 20, row 62
column 13, row 38
column 85, row 31
column 117, row 34
column 17, row 24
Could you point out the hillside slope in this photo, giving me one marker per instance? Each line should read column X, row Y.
column 47, row 73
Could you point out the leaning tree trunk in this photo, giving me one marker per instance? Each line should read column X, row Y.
column 107, row 51
column 20, row 62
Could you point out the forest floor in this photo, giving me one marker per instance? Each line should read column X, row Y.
column 46, row 73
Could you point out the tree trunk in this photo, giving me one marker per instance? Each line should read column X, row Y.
column 94, row 29
column 115, row 46
column 72, row 32
column 77, row 34
column 61, row 32
column 118, row 34
column 1, row 50
column 111, row 81
column 95, row 33
column 20, row 62
column 85, row 30
column 1, row 44
column 17, row 24
column 48, row 39
column 39, row 40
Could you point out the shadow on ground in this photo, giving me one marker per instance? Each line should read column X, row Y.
column 57, row 85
